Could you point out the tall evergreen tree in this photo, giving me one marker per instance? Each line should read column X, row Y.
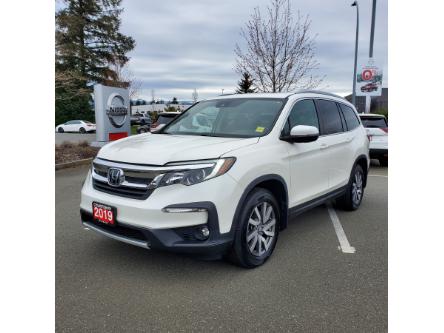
column 89, row 47
column 88, row 40
column 245, row 84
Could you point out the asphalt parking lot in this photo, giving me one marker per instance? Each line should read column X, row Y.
column 308, row 285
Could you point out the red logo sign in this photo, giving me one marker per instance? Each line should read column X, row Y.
column 367, row 75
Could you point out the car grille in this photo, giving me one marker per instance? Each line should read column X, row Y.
column 136, row 179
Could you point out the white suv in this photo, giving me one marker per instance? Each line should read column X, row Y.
column 377, row 131
column 225, row 176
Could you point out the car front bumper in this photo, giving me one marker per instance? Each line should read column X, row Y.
column 160, row 221
column 179, row 240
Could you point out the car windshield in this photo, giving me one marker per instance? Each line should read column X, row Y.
column 374, row 122
column 236, row 117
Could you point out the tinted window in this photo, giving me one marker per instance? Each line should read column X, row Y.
column 302, row 113
column 374, row 122
column 329, row 117
column 350, row 117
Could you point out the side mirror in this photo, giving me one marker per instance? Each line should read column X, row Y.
column 302, row 133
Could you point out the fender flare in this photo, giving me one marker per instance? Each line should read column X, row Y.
column 360, row 157
column 249, row 188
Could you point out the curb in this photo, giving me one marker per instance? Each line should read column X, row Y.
column 73, row 164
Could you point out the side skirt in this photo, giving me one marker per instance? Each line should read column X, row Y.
column 299, row 209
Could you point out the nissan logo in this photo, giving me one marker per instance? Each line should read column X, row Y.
column 115, row 177
column 117, row 112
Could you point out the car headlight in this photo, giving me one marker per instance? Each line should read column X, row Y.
column 190, row 173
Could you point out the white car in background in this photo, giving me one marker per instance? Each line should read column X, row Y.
column 377, row 131
column 80, row 126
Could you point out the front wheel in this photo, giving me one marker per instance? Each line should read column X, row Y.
column 60, row 130
column 352, row 198
column 257, row 229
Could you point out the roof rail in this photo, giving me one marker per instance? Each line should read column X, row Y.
column 228, row 94
column 307, row 91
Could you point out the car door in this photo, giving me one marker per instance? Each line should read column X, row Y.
column 336, row 145
column 76, row 125
column 308, row 172
column 68, row 126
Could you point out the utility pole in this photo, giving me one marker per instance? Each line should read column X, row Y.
column 355, row 4
column 370, row 51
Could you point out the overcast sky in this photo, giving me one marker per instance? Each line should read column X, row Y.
column 182, row 45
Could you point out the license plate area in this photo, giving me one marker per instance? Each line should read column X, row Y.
column 104, row 213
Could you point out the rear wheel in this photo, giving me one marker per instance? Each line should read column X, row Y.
column 82, row 130
column 352, row 198
column 257, row 229
column 60, row 130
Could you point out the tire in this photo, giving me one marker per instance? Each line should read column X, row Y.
column 383, row 161
column 60, row 130
column 142, row 130
column 255, row 251
column 352, row 198
column 82, row 130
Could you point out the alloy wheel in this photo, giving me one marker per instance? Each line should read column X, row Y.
column 357, row 188
column 261, row 229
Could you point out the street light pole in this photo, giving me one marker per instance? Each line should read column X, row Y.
column 355, row 4
column 372, row 30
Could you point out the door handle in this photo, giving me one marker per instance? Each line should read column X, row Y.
column 324, row 145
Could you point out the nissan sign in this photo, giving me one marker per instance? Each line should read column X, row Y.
column 112, row 109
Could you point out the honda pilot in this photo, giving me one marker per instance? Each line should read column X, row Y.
column 225, row 177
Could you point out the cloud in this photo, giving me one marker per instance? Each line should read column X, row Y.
column 182, row 45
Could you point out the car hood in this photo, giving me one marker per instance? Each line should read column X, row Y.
column 159, row 149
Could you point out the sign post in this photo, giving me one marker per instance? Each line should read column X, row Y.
column 112, row 107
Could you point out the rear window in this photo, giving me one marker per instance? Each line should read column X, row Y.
column 374, row 122
column 350, row 116
column 329, row 117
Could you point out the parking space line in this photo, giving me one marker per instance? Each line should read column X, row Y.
column 382, row 176
column 344, row 245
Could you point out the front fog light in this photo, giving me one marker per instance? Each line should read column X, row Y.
column 202, row 233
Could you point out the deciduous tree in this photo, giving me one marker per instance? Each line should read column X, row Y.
column 279, row 51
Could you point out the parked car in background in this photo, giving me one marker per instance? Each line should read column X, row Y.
column 80, row 126
column 369, row 87
column 377, row 131
column 140, row 119
column 224, row 177
column 164, row 119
